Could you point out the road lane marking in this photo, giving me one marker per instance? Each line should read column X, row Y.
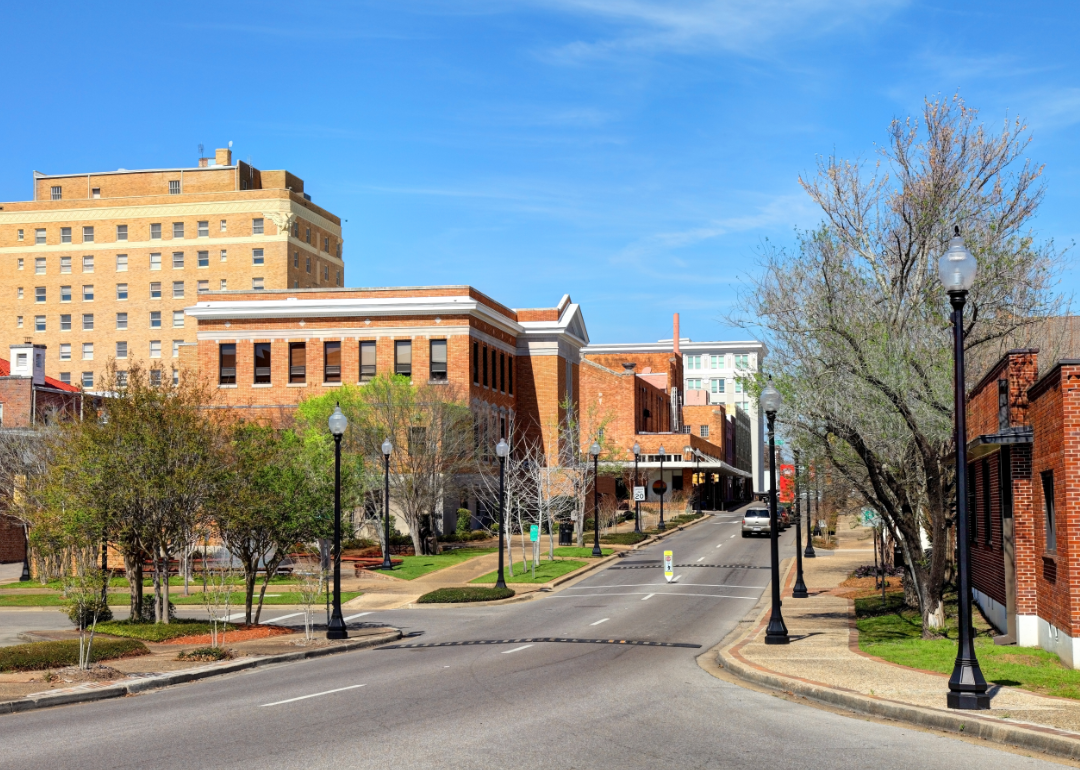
column 719, row 545
column 234, row 616
column 536, row 640
column 283, row 617
column 701, row 559
column 315, row 695
column 676, row 579
column 666, row 593
column 649, row 597
column 354, row 617
column 517, row 649
column 656, row 585
column 603, row 620
column 733, row 536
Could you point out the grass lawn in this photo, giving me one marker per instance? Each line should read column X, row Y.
column 155, row 632
column 546, row 571
column 894, row 632
column 467, row 594
column 415, row 566
column 123, row 599
column 174, row 580
column 572, row 552
column 623, row 538
column 38, row 656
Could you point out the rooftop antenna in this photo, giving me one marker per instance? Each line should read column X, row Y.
column 201, row 153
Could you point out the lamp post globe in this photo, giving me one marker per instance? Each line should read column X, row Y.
column 502, row 450
column 594, row 450
column 387, row 449
column 661, row 526
column 776, row 632
column 967, row 685
column 337, row 423
column 636, row 449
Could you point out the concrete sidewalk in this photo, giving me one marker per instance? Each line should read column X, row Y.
column 823, row 662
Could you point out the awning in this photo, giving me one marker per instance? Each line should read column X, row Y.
column 980, row 446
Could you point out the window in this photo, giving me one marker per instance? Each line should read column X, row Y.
column 717, row 386
column 204, row 258
column 326, row 272
column 174, row 187
column 307, row 266
column 155, row 290
column 39, row 236
column 295, row 229
column 155, row 378
column 88, row 379
column 121, row 232
column 223, row 226
column 57, row 192
column 224, row 255
column 403, row 357
column 88, row 292
column 256, row 284
column 155, row 348
column 438, row 359
column 95, row 192
column 297, row 363
column 65, row 323
column 121, row 263
column 296, row 284
column 227, row 364
column 65, row 235
column 704, row 431
column 738, row 386
column 176, row 348
column 19, row 236
column 202, row 286
column 692, row 362
column 178, row 260
column 476, row 363
column 296, row 259
column 121, row 321
column 122, row 378
column 716, row 362
column 178, row 319
column 502, row 372
column 1048, row 503
column 88, row 235
column 88, row 351
column 175, row 376
column 21, row 262
column 203, row 229
column 694, row 384
column 177, row 229
column 39, row 323
column 18, row 321
column 65, row 351
column 367, row 361
column 88, row 322
column 510, row 375
column 484, row 361
column 121, row 291
column 331, row 362
column 65, row 264
column 742, row 361
column 155, row 261
column 121, row 350
column 19, row 292
column 256, row 256
column 88, row 263
column 155, row 231
column 257, row 226
column 155, row 319
column 178, row 289
column 262, row 363
column 337, row 277
column 308, row 236
column 224, row 284
column 65, row 377
column 39, row 266
column 39, row 294
column 326, row 244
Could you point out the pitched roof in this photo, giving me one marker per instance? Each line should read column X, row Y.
column 5, row 371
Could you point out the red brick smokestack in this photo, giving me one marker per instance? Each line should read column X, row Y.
column 676, row 334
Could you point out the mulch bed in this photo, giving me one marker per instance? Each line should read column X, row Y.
column 234, row 635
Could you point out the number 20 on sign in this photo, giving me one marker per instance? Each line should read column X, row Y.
column 669, row 571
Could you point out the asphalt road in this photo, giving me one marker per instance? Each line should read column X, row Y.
column 506, row 705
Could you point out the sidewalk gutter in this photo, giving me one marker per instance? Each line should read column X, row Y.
column 159, row 681
column 1046, row 740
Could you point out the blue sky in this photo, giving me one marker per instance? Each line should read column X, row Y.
column 632, row 153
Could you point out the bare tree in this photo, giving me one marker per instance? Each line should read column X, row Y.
column 857, row 321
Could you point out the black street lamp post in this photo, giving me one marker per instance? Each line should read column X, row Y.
column 799, row 590
column 967, row 685
column 26, row 554
column 663, row 488
column 809, row 553
column 336, row 629
column 387, row 448
column 502, row 449
column 637, row 503
column 776, row 632
column 594, row 450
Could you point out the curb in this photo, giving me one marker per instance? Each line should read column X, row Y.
column 181, row 677
column 1046, row 740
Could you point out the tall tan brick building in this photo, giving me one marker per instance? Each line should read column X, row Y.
column 100, row 266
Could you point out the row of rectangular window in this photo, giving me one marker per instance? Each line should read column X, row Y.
column 202, row 230
column 502, row 368
column 87, row 378
column 715, row 386
column 178, row 289
column 88, row 321
column 695, row 362
column 332, row 371
column 203, row 258
column 87, row 349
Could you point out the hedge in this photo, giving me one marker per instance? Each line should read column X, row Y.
column 468, row 594
column 41, row 655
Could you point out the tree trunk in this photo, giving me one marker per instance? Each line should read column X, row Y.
column 133, row 568
column 165, row 587
column 271, row 569
column 250, row 578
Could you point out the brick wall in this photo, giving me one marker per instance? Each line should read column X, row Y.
column 12, row 540
column 987, row 551
column 16, row 394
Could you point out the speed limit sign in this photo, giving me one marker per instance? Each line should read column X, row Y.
column 639, row 494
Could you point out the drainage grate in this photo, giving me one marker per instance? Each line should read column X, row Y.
column 534, row 640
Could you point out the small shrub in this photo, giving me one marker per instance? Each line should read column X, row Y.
column 869, row 570
column 81, row 614
column 205, row 654
column 623, row 538
column 154, row 632
column 147, row 615
column 467, row 594
column 464, row 521
column 37, row 656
